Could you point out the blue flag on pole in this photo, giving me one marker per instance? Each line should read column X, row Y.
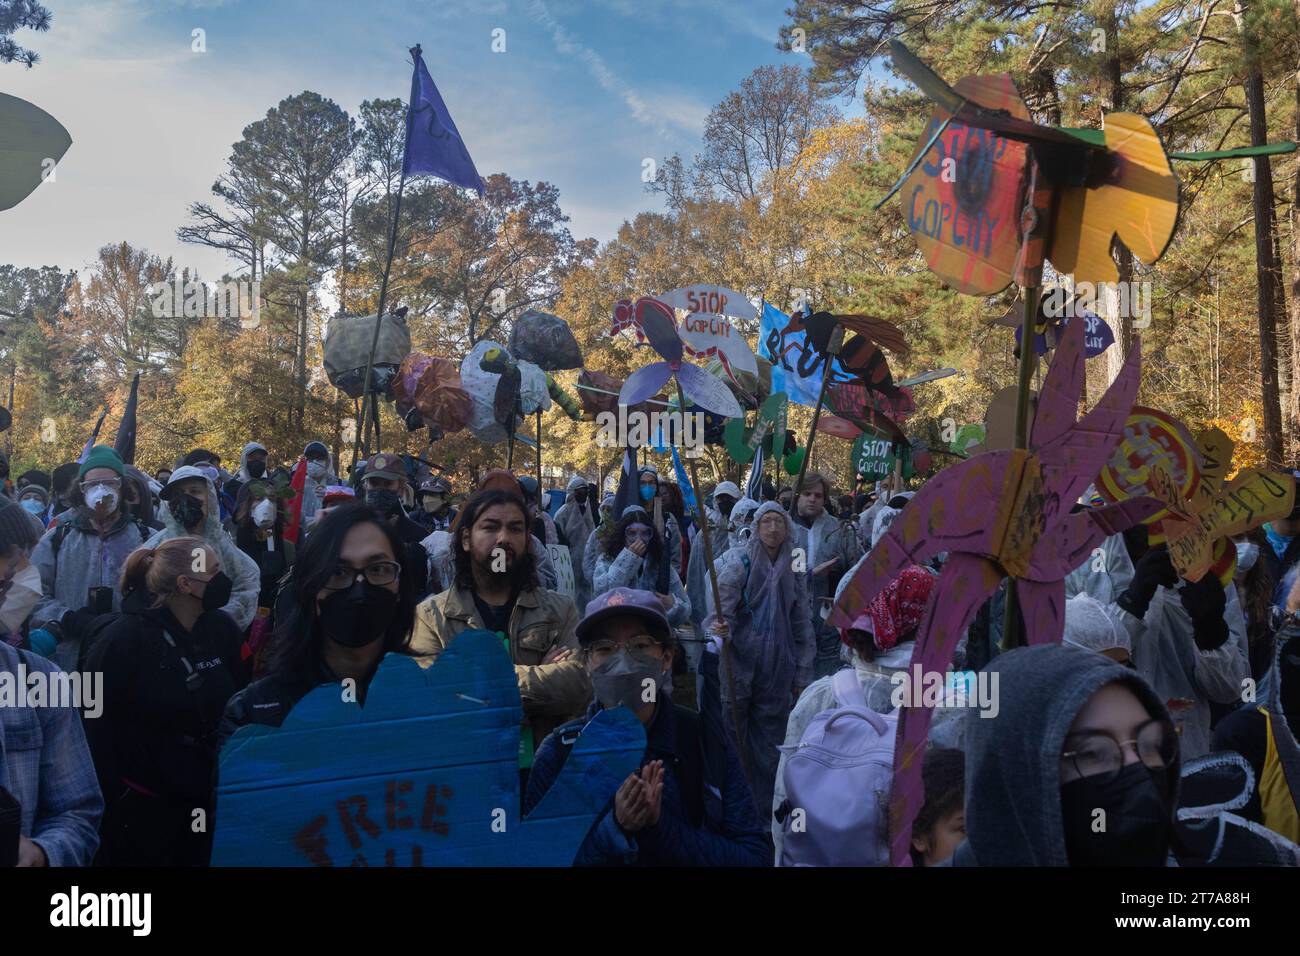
column 433, row 144
column 684, row 483
column 796, row 367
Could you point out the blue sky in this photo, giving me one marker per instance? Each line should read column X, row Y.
column 583, row 93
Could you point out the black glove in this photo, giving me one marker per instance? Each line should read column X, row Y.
column 1153, row 569
column 73, row 623
column 1205, row 600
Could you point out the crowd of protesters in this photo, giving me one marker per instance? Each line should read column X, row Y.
column 209, row 600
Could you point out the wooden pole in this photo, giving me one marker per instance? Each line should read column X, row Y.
column 539, row 460
column 367, row 395
column 736, row 726
column 1034, row 228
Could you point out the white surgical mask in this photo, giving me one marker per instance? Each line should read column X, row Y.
column 1247, row 555
column 101, row 493
column 21, row 598
column 316, row 470
column 264, row 513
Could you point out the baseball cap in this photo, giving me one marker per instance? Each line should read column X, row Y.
column 623, row 602
column 385, row 465
column 181, row 474
column 727, row 488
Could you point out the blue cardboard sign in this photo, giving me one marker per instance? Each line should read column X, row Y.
column 425, row 774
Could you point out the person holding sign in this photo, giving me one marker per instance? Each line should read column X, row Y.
column 352, row 601
column 1189, row 639
column 688, row 804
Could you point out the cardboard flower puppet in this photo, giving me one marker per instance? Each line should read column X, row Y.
column 425, row 774
column 1000, row 514
column 1159, row 457
column 654, row 322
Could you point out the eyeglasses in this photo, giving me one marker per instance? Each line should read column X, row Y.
column 105, row 483
column 379, row 574
column 642, row 645
column 1101, row 755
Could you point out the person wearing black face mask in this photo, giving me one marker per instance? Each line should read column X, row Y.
column 381, row 482
column 1078, row 740
column 252, row 466
column 352, row 601
column 171, row 661
column 190, row 508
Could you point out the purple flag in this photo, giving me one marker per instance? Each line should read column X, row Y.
column 433, row 144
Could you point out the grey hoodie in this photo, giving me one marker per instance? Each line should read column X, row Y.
column 1013, row 760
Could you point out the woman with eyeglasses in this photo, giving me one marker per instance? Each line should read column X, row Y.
column 1078, row 767
column 170, row 662
column 353, row 601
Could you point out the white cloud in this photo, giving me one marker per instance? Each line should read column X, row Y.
column 642, row 107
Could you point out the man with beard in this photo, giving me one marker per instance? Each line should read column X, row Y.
column 496, row 589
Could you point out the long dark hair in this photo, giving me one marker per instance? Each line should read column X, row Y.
column 1256, row 594
column 525, row 568
column 296, row 645
column 655, row 550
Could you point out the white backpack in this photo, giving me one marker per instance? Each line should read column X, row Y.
column 837, row 783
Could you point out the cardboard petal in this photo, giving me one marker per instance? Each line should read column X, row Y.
column 644, row 383
column 708, row 392
column 967, row 581
column 660, row 328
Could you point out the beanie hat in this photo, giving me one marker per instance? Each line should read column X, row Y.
column 17, row 526
column 315, row 447
column 33, row 490
column 101, row 456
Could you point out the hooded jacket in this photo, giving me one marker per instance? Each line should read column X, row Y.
column 697, row 572
column 767, row 604
column 84, row 560
column 577, row 524
column 1167, row 657
column 1262, row 733
column 313, row 490
column 239, row 567
column 1013, row 760
column 626, row 570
